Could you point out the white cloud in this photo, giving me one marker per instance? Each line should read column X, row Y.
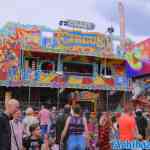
column 44, row 11
column 49, row 12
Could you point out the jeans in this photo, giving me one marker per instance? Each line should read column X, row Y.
column 44, row 129
column 76, row 142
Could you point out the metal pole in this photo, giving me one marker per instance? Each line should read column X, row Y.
column 39, row 97
column 58, row 98
column 107, row 100
column 59, row 63
column 124, row 97
column 21, row 42
column 29, row 98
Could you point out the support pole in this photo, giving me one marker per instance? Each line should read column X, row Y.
column 124, row 97
column 107, row 101
column 29, row 97
column 58, row 98
column 59, row 67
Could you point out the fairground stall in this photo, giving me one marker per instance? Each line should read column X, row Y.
column 42, row 65
column 138, row 68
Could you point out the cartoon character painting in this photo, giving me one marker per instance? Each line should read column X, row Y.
column 138, row 59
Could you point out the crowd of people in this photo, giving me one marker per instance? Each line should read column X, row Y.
column 69, row 128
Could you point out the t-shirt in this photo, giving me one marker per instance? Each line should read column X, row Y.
column 127, row 127
column 44, row 116
column 32, row 144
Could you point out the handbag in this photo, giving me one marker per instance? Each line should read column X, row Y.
column 13, row 132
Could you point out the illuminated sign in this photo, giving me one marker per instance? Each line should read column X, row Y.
column 77, row 24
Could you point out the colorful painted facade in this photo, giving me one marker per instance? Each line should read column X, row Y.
column 138, row 58
column 38, row 56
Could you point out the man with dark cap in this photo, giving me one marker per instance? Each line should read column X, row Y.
column 60, row 124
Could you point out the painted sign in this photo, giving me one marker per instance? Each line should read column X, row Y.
column 9, row 58
column 41, row 38
column 77, row 24
column 77, row 41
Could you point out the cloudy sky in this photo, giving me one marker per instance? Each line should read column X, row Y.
column 102, row 12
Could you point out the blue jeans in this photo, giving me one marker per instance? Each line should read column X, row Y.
column 44, row 129
column 76, row 142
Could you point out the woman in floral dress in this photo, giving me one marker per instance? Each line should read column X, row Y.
column 104, row 132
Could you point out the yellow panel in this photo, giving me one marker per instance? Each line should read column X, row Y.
column 99, row 81
column 73, row 80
